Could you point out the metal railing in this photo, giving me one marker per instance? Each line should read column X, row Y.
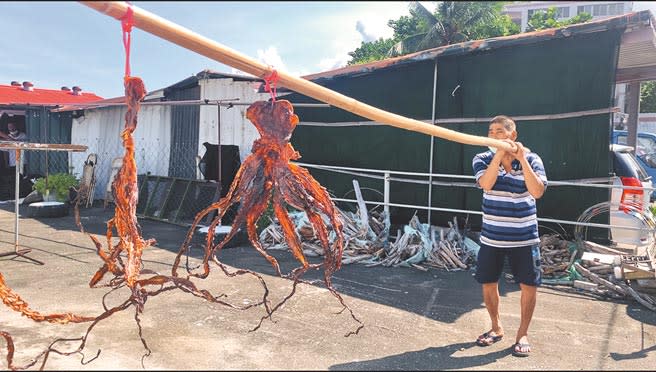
column 387, row 178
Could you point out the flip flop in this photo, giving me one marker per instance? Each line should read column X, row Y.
column 517, row 349
column 487, row 339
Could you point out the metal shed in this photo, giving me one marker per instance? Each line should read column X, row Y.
column 173, row 124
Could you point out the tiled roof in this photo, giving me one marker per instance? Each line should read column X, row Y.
column 15, row 95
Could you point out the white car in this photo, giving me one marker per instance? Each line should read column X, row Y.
column 630, row 207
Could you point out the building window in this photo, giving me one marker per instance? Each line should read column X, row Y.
column 561, row 12
column 601, row 10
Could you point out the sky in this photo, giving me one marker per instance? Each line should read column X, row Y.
column 54, row 44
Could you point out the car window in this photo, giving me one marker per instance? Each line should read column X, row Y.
column 626, row 165
column 621, row 139
column 650, row 159
column 646, row 145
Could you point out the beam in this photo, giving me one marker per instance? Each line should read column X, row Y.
column 633, row 100
column 186, row 38
column 627, row 75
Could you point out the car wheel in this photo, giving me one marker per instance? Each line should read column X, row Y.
column 47, row 209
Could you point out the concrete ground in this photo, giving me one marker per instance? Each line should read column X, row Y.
column 413, row 320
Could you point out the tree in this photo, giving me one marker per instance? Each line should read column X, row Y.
column 648, row 96
column 453, row 22
column 541, row 20
column 403, row 27
column 371, row 51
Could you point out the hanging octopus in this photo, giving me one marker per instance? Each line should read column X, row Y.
column 268, row 176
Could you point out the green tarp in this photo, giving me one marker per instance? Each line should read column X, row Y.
column 553, row 76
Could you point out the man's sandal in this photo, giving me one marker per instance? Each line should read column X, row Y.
column 488, row 338
column 518, row 347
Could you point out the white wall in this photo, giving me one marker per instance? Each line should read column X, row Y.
column 235, row 128
column 100, row 130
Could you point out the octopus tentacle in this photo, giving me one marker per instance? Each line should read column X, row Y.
column 245, row 175
column 288, row 229
column 253, row 215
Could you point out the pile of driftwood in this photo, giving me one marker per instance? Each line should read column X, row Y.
column 361, row 241
column 418, row 245
column 599, row 270
column 555, row 256
column 367, row 240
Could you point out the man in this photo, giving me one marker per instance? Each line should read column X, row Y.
column 8, row 178
column 511, row 181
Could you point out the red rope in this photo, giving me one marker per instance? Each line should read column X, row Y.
column 127, row 21
column 270, row 83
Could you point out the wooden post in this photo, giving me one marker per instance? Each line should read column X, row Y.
column 633, row 98
column 179, row 35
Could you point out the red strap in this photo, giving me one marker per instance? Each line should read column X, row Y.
column 269, row 82
column 127, row 21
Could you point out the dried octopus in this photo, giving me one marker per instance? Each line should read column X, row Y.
column 268, row 176
column 131, row 245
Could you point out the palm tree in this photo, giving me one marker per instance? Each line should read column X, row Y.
column 453, row 22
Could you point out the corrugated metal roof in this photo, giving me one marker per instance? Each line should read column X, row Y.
column 635, row 19
column 15, row 95
column 150, row 97
column 209, row 74
column 182, row 84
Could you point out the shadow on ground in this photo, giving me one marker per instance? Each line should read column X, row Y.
column 434, row 358
column 436, row 294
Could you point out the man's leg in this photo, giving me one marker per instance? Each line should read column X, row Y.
column 528, row 299
column 526, row 265
column 488, row 269
column 491, row 299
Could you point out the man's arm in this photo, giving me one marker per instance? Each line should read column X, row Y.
column 533, row 181
column 489, row 178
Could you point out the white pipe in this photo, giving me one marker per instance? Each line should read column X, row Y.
column 589, row 224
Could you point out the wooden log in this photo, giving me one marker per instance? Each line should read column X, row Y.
column 597, row 279
column 186, row 38
column 607, row 259
column 588, row 286
column 600, row 248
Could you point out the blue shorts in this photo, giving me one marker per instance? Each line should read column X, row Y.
column 524, row 262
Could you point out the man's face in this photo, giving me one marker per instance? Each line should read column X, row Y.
column 11, row 127
column 498, row 131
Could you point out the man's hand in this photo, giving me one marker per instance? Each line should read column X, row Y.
column 520, row 152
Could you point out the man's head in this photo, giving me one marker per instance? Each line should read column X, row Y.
column 502, row 127
column 12, row 128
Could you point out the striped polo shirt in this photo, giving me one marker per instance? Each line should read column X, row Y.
column 509, row 212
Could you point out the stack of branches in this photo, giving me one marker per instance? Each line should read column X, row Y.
column 362, row 241
column 612, row 287
column 419, row 245
column 555, row 255
column 595, row 276
column 431, row 246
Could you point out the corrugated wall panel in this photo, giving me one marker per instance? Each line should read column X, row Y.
column 42, row 126
column 184, row 133
column 235, row 128
column 100, row 130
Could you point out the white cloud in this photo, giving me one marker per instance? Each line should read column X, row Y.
column 368, row 35
column 638, row 6
column 271, row 57
column 332, row 63
column 235, row 71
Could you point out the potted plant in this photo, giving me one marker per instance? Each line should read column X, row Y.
column 58, row 186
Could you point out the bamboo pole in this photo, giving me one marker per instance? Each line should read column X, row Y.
column 186, row 38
